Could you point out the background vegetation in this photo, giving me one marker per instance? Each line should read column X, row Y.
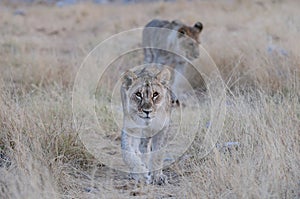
column 256, row 46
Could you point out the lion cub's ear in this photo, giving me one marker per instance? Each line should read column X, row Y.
column 199, row 26
column 128, row 78
column 164, row 76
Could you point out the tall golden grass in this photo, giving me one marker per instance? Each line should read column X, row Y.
column 256, row 47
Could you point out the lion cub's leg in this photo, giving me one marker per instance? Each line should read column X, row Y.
column 157, row 158
column 133, row 156
column 145, row 149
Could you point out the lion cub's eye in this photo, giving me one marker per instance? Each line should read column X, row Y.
column 138, row 94
column 155, row 94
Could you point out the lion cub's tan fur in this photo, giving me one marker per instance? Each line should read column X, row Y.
column 147, row 107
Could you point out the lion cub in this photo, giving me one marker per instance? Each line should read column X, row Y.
column 146, row 101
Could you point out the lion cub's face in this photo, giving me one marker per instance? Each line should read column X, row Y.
column 145, row 98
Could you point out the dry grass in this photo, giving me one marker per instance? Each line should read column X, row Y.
column 256, row 47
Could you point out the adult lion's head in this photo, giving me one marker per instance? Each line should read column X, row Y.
column 186, row 40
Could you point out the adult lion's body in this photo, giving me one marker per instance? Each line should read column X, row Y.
column 147, row 107
column 172, row 44
column 160, row 36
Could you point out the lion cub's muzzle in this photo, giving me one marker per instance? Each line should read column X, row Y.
column 147, row 111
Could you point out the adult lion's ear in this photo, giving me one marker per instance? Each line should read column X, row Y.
column 199, row 26
column 181, row 32
column 164, row 76
column 128, row 78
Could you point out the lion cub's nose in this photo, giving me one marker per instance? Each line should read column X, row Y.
column 147, row 111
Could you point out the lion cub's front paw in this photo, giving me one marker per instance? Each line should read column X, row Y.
column 160, row 179
column 175, row 103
